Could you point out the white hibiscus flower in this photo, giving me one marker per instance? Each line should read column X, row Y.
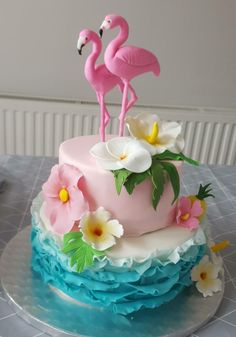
column 122, row 152
column 205, row 274
column 156, row 135
column 99, row 230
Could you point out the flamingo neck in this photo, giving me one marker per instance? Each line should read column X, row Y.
column 90, row 65
column 115, row 44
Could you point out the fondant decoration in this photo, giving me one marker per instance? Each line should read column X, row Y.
column 81, row 254
column 130, row 252
column 217, row 247
column 167, row 155
column 126, row 62
column 158, row 136
column 188, row 213
column 64, row 201
column 100, row 190
column 99, row 230
column 205, row 274
column 203, row 193
column 120, row 153
column 98, row 76
column 158, row 178
column 122, row 288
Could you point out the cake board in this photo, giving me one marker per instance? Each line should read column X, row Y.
column 36, row 303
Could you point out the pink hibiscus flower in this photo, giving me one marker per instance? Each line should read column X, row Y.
column 65, row 202
column 188, row 213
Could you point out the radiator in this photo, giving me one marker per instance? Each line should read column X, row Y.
column 37, row 127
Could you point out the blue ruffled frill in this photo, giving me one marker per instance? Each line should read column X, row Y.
column 120, row 289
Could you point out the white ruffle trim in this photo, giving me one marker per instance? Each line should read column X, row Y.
column 162, row 257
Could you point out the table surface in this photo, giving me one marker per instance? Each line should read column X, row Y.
column 24, row 177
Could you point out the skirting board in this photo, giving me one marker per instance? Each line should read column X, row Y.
column 37, row 127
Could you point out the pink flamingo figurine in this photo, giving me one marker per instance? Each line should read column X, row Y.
column 126, row 62
column 99, row 77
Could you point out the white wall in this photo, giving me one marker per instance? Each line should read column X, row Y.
column 194, row 40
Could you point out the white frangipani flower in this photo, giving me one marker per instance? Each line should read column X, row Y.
column 157, row 136
column 122, row 152
column 205, row 274
column 99, row 230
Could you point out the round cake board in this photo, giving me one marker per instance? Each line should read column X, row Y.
column 36, row 303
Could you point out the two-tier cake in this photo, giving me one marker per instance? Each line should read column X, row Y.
column 109, row 228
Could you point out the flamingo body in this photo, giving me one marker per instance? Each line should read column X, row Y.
column 102, row 80
column 99, row 77
column 126, row 62
column 132, row 61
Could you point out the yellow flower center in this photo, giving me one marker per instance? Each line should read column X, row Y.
column 153, row 137
column 185, row 216
column 97, row 231
column 64, row 195
column 122, row 156
column 203, row 275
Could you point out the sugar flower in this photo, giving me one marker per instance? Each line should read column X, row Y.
column 205, row 274
column 64, row 201
column 122, row 152
column 157, row 136
column 188, row 213
column 99, row 230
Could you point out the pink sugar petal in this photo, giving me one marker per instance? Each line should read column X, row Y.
column 78, row 204
column 52, row 203
column 184, row 205
column 54, row 175
column 51, row 207
column 69, row 175
column 178, row 220
column 63, row 215
column 51, row 189
column 191, row 223
column 63, row 222
column 52, row 185
column 196, row 209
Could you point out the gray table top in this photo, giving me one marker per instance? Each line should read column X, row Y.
column 24, row 177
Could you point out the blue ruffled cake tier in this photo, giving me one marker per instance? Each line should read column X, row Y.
column 120, row 289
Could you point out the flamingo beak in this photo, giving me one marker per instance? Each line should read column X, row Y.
column 80, row 49
column 80, row 46
column 100, row 32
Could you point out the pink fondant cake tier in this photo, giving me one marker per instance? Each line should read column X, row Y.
column 134, row 212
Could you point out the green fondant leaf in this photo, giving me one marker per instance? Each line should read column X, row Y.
column 156, row 196
column 81, row 253
column 158, row 181
column 174, row 178
column 72, row 245
column 85, row 258
column 189, row 160
column 120, row 178
column 74, row 258
column 168, row 155
column 71, row 236
column 157, row 173
column 88, row 258
column 134, row 179
column 81, row 263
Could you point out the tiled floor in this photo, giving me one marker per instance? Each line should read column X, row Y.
column 24, row 178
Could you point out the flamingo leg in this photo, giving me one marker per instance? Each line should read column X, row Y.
column 100, row 99
column 123, row 109
column 133, row 97
column 107, row 115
